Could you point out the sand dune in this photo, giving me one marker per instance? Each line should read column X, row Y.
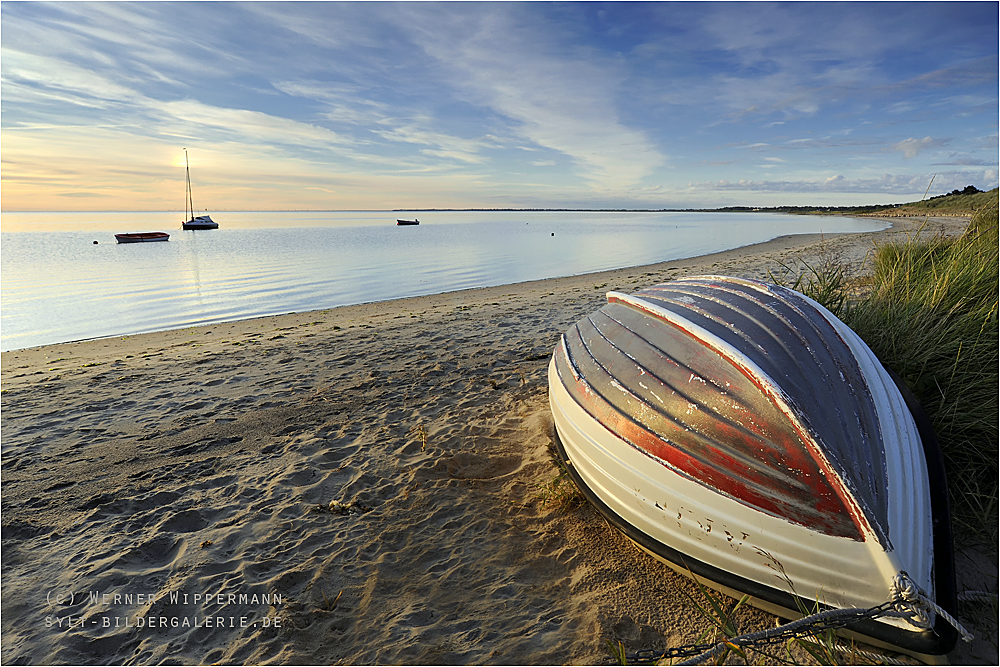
column 368, row 484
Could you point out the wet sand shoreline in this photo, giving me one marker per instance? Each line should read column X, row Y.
column 383, row 469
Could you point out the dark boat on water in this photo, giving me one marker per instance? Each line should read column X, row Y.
column 194, row 221
column 408, row 222
column 142, row 237
column 741, row 433
column 200, row 222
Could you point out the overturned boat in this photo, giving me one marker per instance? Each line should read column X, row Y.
column 741, row 433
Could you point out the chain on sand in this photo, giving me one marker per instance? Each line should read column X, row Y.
column 907, row 602
column 833, row 619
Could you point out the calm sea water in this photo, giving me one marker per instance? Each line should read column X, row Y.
column 58, row 286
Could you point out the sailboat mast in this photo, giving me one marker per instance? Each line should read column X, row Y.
column 188, row 200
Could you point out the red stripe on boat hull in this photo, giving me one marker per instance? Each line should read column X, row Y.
column 819, row 506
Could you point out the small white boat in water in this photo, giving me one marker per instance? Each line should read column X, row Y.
column 740, row 432
column 193, row 221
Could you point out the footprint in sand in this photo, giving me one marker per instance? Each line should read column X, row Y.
column 185, row 521
column 466, row 465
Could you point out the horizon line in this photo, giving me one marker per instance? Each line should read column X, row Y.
column 476, row 209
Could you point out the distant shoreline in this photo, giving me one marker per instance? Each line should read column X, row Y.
column 951, row 204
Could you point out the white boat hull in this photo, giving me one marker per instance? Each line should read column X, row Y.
column 724, row 539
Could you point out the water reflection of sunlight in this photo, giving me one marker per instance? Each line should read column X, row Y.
column 59, row 286
column 194, row 274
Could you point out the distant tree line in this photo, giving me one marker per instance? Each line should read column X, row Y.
column 806, row 209
column 872, row 208
column 969, row 190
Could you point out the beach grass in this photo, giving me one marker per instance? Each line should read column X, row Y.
column 560, row 492
column 954, row 203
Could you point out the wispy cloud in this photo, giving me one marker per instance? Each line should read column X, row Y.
column 967, row 162
column 436, row 143
column 558, row 96
column 912, row 147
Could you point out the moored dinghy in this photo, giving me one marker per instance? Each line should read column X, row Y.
column 142, row 237
column 739, row 431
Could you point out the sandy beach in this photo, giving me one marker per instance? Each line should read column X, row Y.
column 366, row 484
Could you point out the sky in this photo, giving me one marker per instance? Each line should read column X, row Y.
column 349, row 106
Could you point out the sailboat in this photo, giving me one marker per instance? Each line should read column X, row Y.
column 194, row 222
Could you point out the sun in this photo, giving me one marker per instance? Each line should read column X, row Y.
column 178, row 160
